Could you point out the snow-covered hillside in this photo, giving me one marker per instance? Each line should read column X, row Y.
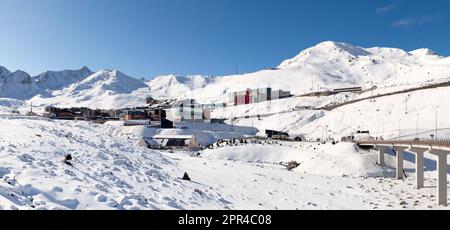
column 109, row 171
column 173, row 86
column 106, row 172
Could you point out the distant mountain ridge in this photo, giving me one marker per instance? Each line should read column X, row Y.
column 54, row 80
column 20, row 85
column 326, row 65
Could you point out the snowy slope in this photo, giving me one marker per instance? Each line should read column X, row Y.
column 9, row 105
column 111, row 172
column 408, row 112
column 107, row 172
column 174, row 86
column 328, row 160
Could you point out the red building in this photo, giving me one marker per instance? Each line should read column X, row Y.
column 250, row 96
column 247, row 96
column 134, row 115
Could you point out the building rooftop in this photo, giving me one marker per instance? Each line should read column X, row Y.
column 173, row 136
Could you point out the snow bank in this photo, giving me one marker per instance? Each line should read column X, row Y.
column 329, row 160
column 106, row 172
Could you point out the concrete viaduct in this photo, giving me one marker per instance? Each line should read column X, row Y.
column 439, row 148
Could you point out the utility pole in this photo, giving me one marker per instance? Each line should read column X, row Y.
column 236, row 69
column 406, row 105
column 436, row 122
column 417, row 127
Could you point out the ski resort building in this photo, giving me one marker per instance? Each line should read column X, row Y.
column 251, row 96
column 188, row 142
column 280, row 94
column 141, row 113
column 191, row 111
column 215, row 106
column 361, row 135
column 76, row 113
column 134, row 115
column 272, row 134
column 348, row 90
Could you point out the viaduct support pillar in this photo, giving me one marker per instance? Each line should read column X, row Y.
column 381, row 151
column 418, row 152
column 399, row 162
column 442, row 169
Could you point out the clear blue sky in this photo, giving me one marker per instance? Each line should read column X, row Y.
column 145, row 38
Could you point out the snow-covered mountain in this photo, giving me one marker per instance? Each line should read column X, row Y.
column 105, row 81
column 56, row 80
column 325, row 66
column 20, row 85
column 175, row 86
column 104, row 89
column 17, row 85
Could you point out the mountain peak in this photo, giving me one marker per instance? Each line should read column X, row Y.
column 325, row 51
column 109, row 80
column 20, row 73
column 341, row 47
column 56, row 80
column 85, row 68
column 423, row 52
column 20, row 76
column 4, row 71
